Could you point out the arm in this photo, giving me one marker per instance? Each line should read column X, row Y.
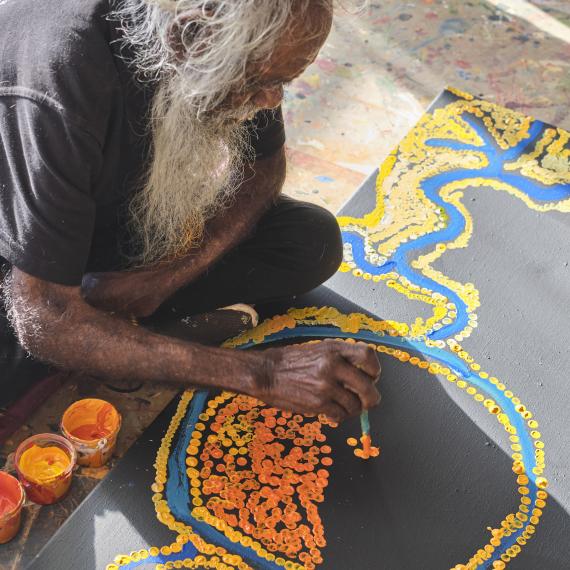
column 140, row 292
column 55, row 324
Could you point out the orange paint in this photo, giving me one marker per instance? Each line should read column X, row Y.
column 45, row 464
column 11, row 502
column 368, row 450
column 255, row 473
column 92, row 426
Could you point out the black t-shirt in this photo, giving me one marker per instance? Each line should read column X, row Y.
column 73, row 138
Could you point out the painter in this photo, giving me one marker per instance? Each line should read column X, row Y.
column 142, row 161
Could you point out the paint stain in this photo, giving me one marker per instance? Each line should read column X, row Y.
column 324, row 179
column 326, row 64
column 453, row 26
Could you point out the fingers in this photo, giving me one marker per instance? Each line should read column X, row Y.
column 334, row 411
column 363, row 357
column 359, row 383
column 348, row 400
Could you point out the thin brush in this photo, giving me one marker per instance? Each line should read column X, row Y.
column 365, row 423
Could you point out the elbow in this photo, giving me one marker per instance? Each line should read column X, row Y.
column 29, row 327
column 42, row 315
column 34, row 320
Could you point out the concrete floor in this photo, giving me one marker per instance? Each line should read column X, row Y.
column 381, row 68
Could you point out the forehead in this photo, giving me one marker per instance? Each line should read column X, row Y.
column 297, row 47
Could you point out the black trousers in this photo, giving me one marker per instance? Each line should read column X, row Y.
column 295, row 247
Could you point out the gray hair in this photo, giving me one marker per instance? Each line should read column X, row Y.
column 213, row 47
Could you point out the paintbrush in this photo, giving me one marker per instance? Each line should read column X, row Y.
column 365, row 423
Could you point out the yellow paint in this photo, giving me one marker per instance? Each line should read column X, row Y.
column 403, row 212
column 43, row 464
column 217, row 557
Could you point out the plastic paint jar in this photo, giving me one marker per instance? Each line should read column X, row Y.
column 92, row 426
column 44, row 464
column 12, row 499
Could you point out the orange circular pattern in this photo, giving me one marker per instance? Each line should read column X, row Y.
column 260, row 473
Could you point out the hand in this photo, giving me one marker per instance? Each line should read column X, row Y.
column 124, row 292
column 333, row 377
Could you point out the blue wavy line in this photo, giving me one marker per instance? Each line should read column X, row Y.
column 456, row 222
column 459, row 368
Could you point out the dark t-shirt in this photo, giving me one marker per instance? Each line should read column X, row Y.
column 73, row 138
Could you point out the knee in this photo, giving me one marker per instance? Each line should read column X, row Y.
column 322, row 246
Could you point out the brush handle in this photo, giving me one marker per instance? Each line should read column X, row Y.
column 365, row 422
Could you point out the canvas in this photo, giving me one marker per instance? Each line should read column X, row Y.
column 456, row 271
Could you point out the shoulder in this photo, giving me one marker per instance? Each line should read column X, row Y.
column 61, row 50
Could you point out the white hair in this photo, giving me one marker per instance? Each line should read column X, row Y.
column 196, row 167
column 208, row 42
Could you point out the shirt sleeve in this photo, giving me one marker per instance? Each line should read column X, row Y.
column 267, row 132
column 47, row 213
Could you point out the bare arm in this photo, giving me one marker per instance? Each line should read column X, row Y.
column 140, row 292
column 55, row 324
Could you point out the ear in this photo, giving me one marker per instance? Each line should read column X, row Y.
column 184, row 29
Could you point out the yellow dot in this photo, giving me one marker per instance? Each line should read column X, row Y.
column 541, row 482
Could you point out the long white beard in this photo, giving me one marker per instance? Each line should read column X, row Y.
column 196, row 167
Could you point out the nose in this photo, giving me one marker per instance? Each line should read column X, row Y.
column 269, row 98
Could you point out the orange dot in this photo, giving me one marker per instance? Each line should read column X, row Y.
column 352, row 441
column 327, row 461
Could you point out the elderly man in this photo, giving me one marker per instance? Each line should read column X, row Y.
column 141, row 164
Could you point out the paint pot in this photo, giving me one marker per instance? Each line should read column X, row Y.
column 44, row 464
column 92, row 426
column 12, row 499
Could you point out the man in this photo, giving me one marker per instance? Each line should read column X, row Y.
column 141, row 164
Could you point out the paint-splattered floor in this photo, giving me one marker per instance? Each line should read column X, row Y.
column 382, row 67
column 377, row 73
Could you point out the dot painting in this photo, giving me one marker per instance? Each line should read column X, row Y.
column 240, row 483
